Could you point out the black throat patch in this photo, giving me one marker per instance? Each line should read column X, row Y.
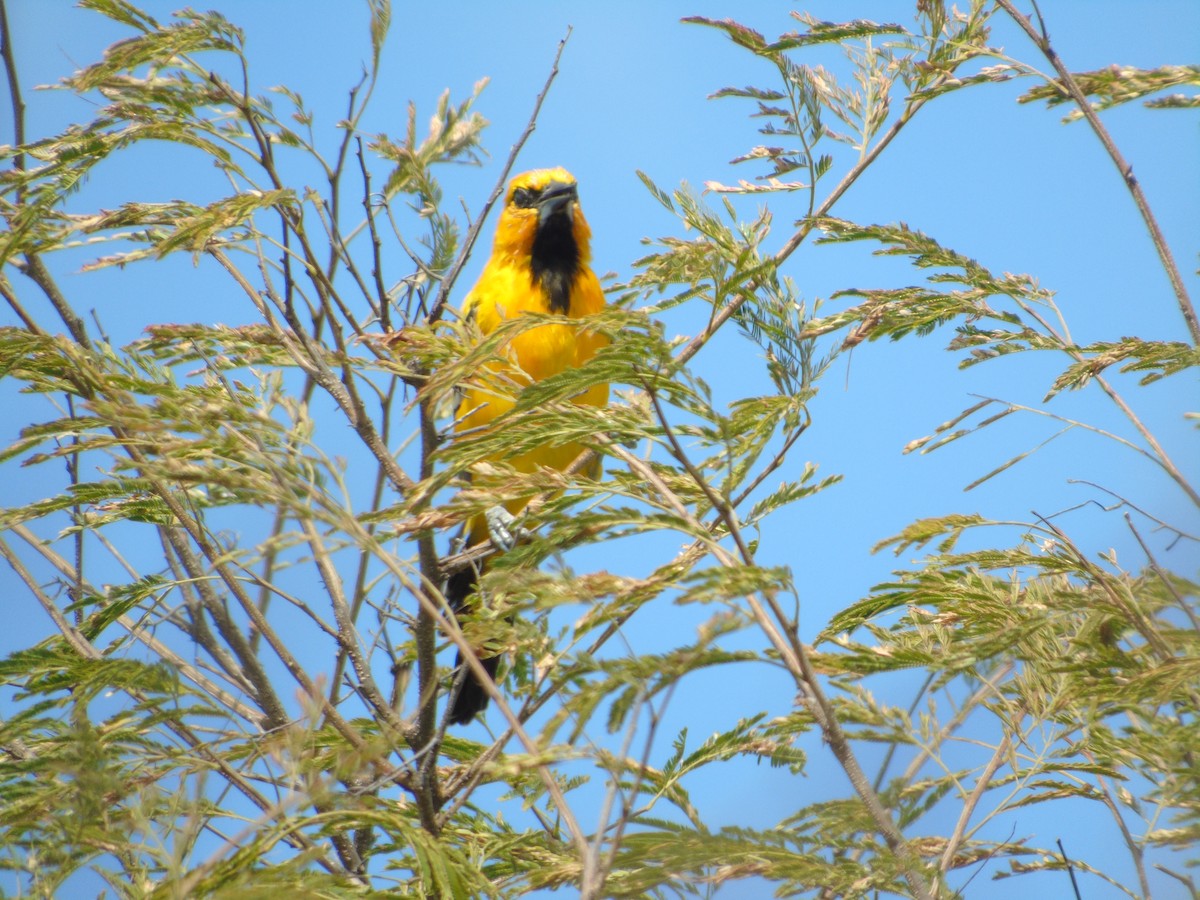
column 556, row 261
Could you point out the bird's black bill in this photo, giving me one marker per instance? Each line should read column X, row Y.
column 556, row 199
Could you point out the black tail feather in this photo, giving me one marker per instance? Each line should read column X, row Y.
column 472, row 698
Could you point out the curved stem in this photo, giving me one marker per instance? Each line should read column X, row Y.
column 1068, row 83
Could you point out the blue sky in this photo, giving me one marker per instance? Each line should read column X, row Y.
column 1007, row 184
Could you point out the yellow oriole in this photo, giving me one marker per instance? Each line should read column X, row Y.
column 539, row 264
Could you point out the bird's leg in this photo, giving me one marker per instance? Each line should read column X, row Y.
column 503, row 528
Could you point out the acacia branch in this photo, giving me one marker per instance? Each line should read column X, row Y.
column 1068, row 83
column 186, row 669
column 784, row 639
column 725, row 313
column 312, row 363
column 981, row 787
column 88, row 651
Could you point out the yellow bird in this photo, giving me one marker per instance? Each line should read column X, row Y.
column 540, row 263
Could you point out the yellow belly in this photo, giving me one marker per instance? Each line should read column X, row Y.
column 532, row 355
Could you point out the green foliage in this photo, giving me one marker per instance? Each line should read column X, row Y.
column 1115, row 85
column 241, row 507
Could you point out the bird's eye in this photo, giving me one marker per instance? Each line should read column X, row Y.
column 524, row 198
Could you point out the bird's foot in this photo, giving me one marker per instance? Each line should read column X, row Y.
column 503, row 528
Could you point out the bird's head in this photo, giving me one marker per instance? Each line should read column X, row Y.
column 542, row 217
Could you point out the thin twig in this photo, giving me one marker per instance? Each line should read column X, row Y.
column 1167, row 583
column 312, row 363
column 1136, row 851
column 1068, row 83
column 591, row 883
column 385, row 306
column 893, row 746
column 429, row 735
column 806, row 226
column 540, row 694
column 87, row 650
column 1132, row 614
column 1122, row 501
column 614, row 840
column 982, row 784
column 233, row 704
column 1163, row 460
column 69, row 631
column 443, row 295
column 1071, row 871
column 14, row 96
